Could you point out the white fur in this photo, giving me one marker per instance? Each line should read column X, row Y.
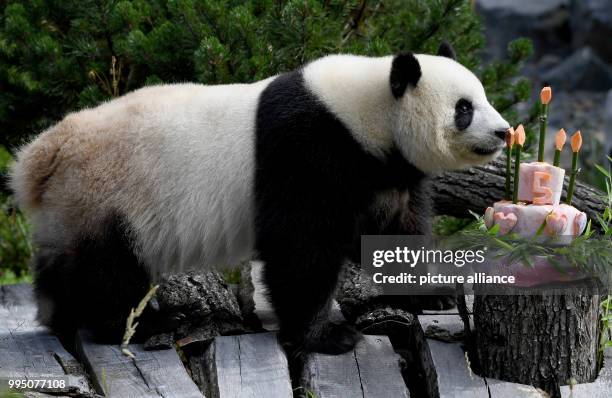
column 176, row 160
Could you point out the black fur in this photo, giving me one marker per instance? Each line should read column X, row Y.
column 92, row 285
column 313, row 181
column 405, row 70
column 446, row 50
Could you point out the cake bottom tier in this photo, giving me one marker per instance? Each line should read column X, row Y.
column 526, row 219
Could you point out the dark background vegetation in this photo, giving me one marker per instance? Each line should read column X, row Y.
column 63, row 55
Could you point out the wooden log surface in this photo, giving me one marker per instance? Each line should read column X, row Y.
column 371, row 370
column 600, row 388
column 246, row 366
column 150, row 374
column 28, row 350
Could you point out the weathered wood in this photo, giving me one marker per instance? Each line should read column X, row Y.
column 245, row 366
column 453, row 376
column 28, row 350
column 504, row 389
column 379, row 368
column 451, row 372
column 371, row 370
column 149, row 374
column 36, row 394
column 455, row 193
column 600, row 388
column 542, row 340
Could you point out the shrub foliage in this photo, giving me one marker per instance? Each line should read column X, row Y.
column 61, row 55
column 57, row 56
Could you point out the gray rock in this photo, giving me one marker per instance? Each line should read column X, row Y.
column 591, row 25
column 583, row 70
column 526, row 8
column 542, row 21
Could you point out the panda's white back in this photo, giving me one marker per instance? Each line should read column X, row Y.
column 177, row 161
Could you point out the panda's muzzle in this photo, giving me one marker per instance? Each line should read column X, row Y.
column 486, row 151
column 490, row 145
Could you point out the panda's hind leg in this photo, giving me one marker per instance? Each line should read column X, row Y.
column 301, row 283
column 92, row 284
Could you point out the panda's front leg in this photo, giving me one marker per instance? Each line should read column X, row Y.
column 301, row 272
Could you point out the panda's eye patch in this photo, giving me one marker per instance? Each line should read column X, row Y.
column 464, row 111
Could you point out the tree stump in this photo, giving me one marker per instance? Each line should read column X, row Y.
column 546, row 339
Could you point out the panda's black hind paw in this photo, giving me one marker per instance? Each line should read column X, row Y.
column 337, row 338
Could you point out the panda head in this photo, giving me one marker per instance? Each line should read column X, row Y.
column 443, row 120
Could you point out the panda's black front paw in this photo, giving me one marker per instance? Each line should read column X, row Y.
column 333, row 339
column 336, row 339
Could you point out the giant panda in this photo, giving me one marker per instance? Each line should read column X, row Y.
column 180, row 176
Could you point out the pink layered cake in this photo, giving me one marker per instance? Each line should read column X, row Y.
column 535, row 208
column 538, row 209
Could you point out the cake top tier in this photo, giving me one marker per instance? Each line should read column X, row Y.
column 540, row 183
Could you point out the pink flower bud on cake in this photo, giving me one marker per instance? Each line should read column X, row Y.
column 510, row 137
column 560, row 139
column 546, row 95
column 519, row 135
column 576, row 141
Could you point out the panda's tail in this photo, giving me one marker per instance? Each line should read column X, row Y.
column 35, row 164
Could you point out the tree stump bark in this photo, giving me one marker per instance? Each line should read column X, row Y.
column 545, row 340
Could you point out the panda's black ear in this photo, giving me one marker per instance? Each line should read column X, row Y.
column 405, row 70
column 446, row 50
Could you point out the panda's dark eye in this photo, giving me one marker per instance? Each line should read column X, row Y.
column 464, row 107
column 464, row 111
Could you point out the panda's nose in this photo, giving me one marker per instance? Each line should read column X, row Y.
column 501, row 134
